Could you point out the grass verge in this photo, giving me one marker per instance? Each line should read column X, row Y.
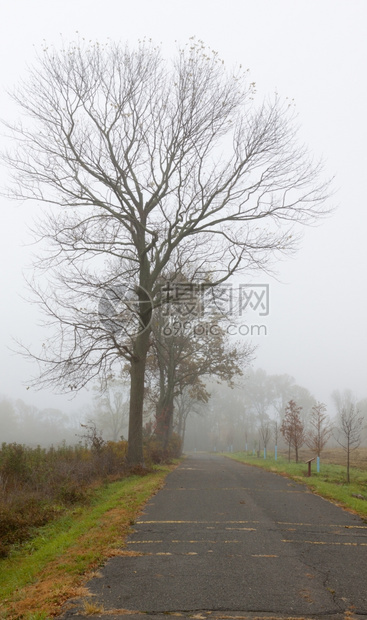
column 37, row 578
column 330, row 482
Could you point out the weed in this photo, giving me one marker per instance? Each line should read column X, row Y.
column 91, row 609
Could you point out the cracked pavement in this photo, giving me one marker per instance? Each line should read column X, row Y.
column 226, row 540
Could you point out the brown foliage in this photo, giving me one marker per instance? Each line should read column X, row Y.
column 37, row 484
column 292, row 428
column 154, row 453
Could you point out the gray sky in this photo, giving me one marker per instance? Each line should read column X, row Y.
column 314, row 51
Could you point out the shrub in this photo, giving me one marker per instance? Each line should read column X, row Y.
column 35, row 483
column 14, row 467
column 155, row 454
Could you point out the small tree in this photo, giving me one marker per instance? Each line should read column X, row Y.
column 349, row 431
column 265, row 433
column 320, row 430
column 292, row 428
column 92, row 436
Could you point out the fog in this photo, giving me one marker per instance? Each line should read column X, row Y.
column 309, row 51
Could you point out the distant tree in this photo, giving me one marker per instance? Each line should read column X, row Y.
column 304, row 399
column 265, row 432
column 186, row 403
column 265, row 393
column 348, row 433
column 111, row 408
column 320, row 428
column 276, row 435
column 342, row 400
column 28, row 415
column 292, row 428
column 9, row 428
column 362, row 406
column 45, row 427
column 281, row 388
column 226, row 411
column 259, row 392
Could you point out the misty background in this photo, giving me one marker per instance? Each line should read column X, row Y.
column 314, row 53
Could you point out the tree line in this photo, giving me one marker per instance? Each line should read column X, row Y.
column 272, row 410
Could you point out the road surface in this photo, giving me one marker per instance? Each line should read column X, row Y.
column 226, row 540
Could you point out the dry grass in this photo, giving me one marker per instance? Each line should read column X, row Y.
column 37, row 485
column 335, row 456
column 64, row 576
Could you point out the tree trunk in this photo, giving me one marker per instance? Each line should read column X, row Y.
column 137, row 373
column 183, row 433
column 180, row 423
column 165, row 407
column 164, row 417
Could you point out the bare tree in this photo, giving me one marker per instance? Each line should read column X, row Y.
column 92, row 436
column 342, row 399
column 111, row 408
column 320, row 430
column 349, row 431
column 259, row 393
column 265, row 433
column 138, row 161
column 186, row 405
column 292, row 428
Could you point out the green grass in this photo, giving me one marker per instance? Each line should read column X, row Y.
column 330, row 482
column 39, row 575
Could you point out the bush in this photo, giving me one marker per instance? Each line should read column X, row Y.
column 14, row 465
column 18, row 517
column 154, row 453
column 35, row 483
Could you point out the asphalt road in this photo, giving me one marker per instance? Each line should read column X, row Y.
column 226, row 540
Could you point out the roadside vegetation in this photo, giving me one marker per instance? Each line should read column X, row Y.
column 53, row 503
column 330, row 482
column 38, row 485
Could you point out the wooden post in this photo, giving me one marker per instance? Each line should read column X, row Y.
column 309, row 466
